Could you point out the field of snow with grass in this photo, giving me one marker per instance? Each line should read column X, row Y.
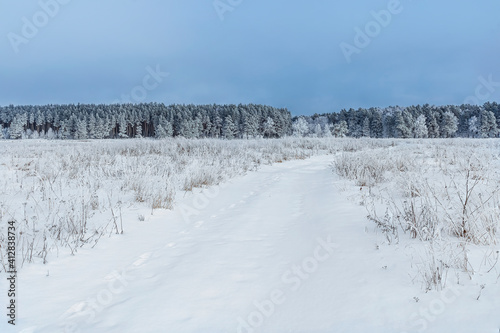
column 295, row 235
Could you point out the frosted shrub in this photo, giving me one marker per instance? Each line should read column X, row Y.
column 368, row 168
column 432, row 267
column 387, row 225
column 471, row 202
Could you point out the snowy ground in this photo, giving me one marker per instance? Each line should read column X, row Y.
column 286, row 248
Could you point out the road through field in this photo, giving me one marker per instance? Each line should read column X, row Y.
column 278, row 250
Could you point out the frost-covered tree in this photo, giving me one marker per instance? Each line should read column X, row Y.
column 138, row 130
column 197, row 127
column 164, row 128
column 327, row 131
column 449, row 125
column 92, row 127
column 250, row 127
column 366, row 127
column 123, row 126
column 432, row 127
column 64, row 132
column 81, row 129
column 39, row 120
column 489, row 127
column 340, row 129
column 185, row 128
column 300, row 127
column 32, row 135
column 473, row 127
column 161, row 132
column 317, row 131
column 50, row 134
column 217, row 125
column 228, row 129
column 401, row 129
column 420, row 127
column 16, row 128
column 377, row 127
column 100, row 131
column 268, row 128
column 354, row 123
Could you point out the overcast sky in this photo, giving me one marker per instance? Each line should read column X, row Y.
column 308, row 56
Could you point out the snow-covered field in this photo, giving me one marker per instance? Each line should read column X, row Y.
column 253, row 236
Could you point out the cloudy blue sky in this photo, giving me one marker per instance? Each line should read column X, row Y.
column 283, row 53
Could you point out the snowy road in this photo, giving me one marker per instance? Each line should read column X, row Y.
column 278, row 250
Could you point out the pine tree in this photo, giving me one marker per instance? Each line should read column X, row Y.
column 16, row 129
column 207, row 126
column 401, row 130
column 327, row 131
column 376, row 125
column 473, row 127
column 489, row 127
column 420, row 127
column 317, row 131
column 197, row 127
column 216, row 125
column 138, row 130
column 50, row 134
column 39, row 120
column 433, row 127
column 228, row 129
column 340, row 129
column 366, row 127
column 164, row 129
column 450, row 125
column 268, row 128
column 123, row 126
column 81, row 129
column 160, row 132
column 92, row 127
column 100, row 131
column 185, row 129
column 249, row 127
column 300, row 127
column 353, row 123
column 64, row 132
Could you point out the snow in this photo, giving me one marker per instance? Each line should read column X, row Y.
column 287, row 248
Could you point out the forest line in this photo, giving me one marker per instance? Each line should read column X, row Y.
column 112, row 121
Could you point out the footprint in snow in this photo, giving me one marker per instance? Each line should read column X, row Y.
column 142, row 259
